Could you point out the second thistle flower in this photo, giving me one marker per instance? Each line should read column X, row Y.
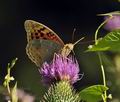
column 113, row 23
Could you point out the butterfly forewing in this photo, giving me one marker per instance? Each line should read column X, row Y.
column 37, row 30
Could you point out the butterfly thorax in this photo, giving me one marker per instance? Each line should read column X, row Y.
column 67, row 49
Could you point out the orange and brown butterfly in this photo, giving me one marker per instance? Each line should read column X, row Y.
column 43, row 43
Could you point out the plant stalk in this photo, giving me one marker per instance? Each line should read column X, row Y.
column 104, row 78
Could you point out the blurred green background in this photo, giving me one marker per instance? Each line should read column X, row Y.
column 62, row 16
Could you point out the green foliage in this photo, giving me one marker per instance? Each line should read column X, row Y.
column 14, row 94
column 61, row 92
column 93, row 93
column 8, row 78
column 110, row 42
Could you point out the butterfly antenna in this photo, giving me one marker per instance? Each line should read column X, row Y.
column 76, row 43
column 73, row 52
column 78, row 40
column 88, row 42
column 73, row 34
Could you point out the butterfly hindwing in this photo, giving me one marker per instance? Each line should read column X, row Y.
column 42, row 50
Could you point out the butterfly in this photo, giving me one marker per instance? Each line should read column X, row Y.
column 44, row 42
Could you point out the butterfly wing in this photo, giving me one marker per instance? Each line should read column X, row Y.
column 42, row 42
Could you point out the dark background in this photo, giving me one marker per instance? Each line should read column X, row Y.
column 62, row 16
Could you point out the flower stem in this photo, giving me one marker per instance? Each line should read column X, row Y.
column 8, row 87
column 104, row 96
column 96, row 32
column 103, row 75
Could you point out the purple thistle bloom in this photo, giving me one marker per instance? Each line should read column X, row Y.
column 61, row 68
column 113, row 23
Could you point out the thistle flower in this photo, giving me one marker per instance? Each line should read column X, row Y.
column 113, row 23
column 61, row 68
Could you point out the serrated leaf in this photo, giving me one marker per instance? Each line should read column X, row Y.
column 111, row 42
column 93, row 93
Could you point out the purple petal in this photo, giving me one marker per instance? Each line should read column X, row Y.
column 61, row 68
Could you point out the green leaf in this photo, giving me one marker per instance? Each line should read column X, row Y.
column 111, row 42
column 93, row 93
